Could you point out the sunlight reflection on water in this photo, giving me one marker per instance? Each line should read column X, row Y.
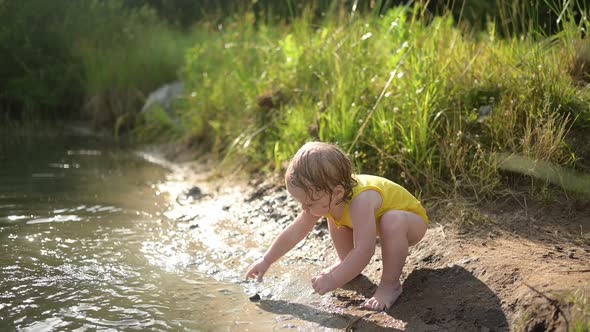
column 87, row 247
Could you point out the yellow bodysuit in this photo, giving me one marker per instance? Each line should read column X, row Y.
column 394, row 196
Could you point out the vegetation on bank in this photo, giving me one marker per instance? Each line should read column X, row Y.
column 94, row 60
column 411, row 96
column 435, row 103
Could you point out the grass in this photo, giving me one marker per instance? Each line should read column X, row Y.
column 580, row 309
column 92, row 60
column 568, row 310
column 422, row 101
column 124, row 56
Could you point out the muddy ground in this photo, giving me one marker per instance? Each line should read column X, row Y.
column 510, row 265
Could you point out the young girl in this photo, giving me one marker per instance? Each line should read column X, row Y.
column 358, row 208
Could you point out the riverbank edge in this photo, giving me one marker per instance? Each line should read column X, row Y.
column 459, row 227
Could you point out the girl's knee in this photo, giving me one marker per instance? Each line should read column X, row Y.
column 396, row 223
column 393, row 222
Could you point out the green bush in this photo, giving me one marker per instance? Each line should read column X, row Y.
column 37, row 66
column 59, row 55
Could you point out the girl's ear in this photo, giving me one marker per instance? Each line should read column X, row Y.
column 339, row 193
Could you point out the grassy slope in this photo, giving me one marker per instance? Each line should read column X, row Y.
column 425, row 103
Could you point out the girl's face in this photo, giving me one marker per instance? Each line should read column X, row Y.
column 318, row 205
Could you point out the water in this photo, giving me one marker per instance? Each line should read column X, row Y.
column 85, row 245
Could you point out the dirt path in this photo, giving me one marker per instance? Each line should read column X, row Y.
column 512, row 267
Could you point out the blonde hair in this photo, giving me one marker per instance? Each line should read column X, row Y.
column 321, row 167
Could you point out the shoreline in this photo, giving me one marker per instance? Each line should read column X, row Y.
column 470, row 272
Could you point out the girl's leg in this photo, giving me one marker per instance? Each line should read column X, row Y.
column 342, row 239
column 398, row 230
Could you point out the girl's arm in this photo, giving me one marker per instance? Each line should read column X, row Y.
column 290, row 236
column 362, row 213
column 286, row 240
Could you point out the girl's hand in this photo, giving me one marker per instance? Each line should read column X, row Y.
column 258, row 269
column 323, row 283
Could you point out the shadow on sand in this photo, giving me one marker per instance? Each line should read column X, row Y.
column 320, row 317
column 446, row 299
column 450, row 299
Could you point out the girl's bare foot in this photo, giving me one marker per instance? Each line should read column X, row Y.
column 384, row 297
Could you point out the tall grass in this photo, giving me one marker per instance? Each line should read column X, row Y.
column 124, row 55
column 103, row 54
column 413, row 98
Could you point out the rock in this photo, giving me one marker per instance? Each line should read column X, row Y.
column 164, row 96
column 193, row 194
column 484, row 112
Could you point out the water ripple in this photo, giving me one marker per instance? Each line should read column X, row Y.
column 86, row 245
